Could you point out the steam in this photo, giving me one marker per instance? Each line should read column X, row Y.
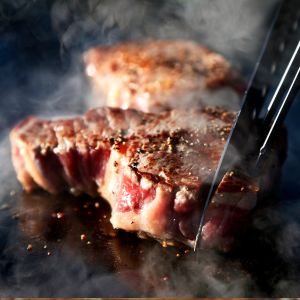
column 55, row 85
column 8, row 180
column 210, row 276
column 226, row 27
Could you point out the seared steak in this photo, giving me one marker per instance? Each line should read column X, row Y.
column 153, row 169
column 160, row 75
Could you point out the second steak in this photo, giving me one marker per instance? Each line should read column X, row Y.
column 159, row 75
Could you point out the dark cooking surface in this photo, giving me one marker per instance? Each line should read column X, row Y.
column 64, row 246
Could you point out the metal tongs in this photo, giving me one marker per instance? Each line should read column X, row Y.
column 271, row 91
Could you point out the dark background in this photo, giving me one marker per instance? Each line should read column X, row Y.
column 41, row 72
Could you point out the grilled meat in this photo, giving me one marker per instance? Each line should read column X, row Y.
column 160, row 75
column 151, row 168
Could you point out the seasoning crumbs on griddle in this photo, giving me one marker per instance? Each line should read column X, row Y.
column 60, row 215
column 164, row 244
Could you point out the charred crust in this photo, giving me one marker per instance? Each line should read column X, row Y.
column 140, row 151
column 220, row 113
column 134, row 164
column 236, row 182
column 112, row 141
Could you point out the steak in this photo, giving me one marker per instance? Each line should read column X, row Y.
column 154, row 76
column 153, row 169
